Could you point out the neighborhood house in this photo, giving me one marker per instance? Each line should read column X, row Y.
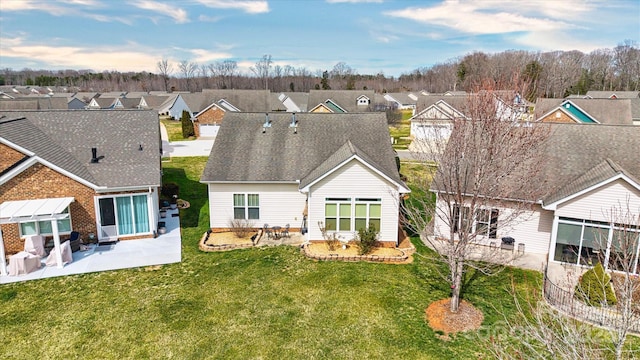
column 95, row 173
column 592, row 175
column 303, row 170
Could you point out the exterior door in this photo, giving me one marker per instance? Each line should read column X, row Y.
column 108, row 229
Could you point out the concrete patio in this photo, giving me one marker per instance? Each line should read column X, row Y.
column 165, row 249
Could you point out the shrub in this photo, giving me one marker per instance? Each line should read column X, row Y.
column 594, row 287
column 332, row 239
column 187, row 125
column 368, row 240
column 241, row 228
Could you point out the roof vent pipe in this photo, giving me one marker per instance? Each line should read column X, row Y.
column 267, row 122
column 294, row 123
column 94, row 155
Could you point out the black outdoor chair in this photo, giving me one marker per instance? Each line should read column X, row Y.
column 267, row 230
column 74, row 241
column 285, row 231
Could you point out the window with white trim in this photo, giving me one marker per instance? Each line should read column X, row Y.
column 484, row 223
column 337, row 214
column 587, row 242
column 246, row 206
column 368, row 212
column 44, row 227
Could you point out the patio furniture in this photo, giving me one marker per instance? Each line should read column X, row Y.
column 34, row 244
column 65, row 248
column 276, row 231
column 23, row 263
column 74, row 241
column 267, row 230
column 507, row 243
column 285, row 232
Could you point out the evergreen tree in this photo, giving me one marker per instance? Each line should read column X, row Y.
column 187, row 125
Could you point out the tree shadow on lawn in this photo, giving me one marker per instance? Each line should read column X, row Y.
column 192, row 191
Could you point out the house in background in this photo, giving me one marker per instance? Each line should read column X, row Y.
column 590, row 172
column 340, row 101
column 584, row 111
column 302, row 169
column 403, row 101
column 104, row 164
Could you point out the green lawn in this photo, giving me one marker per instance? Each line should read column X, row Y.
column 174, row 129
column 269, row 303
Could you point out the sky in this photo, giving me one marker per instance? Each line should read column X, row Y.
column 370, row 36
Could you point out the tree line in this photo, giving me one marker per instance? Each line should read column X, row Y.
column 551, row 74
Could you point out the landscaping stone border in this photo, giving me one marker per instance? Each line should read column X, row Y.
column 352, row 258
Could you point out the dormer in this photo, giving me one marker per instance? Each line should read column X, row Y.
column 363, row 100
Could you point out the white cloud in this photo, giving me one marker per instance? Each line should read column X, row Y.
column 494, row 17
column 551, row 41
column 248, row 6
column 121, row 58
column 179, row 15
column 202, row 56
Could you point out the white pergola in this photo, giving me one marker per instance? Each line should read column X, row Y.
column 21, row 211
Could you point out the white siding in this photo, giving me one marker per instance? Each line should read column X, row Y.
column 531, row 227
column 354, row 180
column 178, row 106
column 280, row 204
column 597, row 204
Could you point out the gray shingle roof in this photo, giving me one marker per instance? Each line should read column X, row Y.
column 245, row 100
column 243, row 153
column 605, row 111
column 346, row 99
column 65, row 138
column 599, row 173
column 578, row 156
column 618, row 94
column 39, row 103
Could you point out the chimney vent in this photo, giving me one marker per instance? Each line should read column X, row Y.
column 294, row 122
column 94, row 155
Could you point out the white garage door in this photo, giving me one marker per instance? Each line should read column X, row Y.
column 209, row 130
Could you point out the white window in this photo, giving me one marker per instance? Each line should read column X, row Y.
column 246, row 206
column 587, row 242
column 368, row 212
column 337, row 214
column 485, row 222
column 44, row 227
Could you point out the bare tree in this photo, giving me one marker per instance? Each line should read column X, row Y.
column 262, row 69
column 165, row 69
column 544, row 331
column 188, row 70
column 621, row 259
column 478, row 172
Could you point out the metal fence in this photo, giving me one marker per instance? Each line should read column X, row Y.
column 564, row 300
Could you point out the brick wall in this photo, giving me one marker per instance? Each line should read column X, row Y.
column 213, row 115
column 38, row 182
column 9, row 157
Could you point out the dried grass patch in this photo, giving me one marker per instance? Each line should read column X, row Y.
column 442, row 319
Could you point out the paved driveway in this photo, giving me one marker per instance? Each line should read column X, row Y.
column 201, row 147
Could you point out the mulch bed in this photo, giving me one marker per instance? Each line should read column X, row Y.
column 442, row 319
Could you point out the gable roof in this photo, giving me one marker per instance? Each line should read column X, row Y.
column 613, row 94
column 604, row 111
column 345, row 99
column 606, row 170
column 243, row 153
column 572, row 150
column 64, row 139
